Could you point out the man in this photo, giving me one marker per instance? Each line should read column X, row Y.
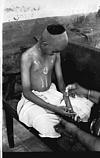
column 92, row 95
column 41, row 100
column 88, row 140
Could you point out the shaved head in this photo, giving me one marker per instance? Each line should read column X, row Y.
column 53, row 39
column 55, row 35
column 55, row 29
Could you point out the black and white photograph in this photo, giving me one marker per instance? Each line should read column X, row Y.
column 50, row 76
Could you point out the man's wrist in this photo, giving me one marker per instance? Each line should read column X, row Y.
column 52, row 107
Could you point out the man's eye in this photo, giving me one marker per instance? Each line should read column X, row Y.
column 45, row 44
column 56, row 51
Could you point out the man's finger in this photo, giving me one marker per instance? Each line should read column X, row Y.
column 66, row 109
column 71, row 95
column 73, row 86
column 70, row 114
column 63, row 122
column 72, row 91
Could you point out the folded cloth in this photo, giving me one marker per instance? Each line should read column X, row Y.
column 41, row 119
column 44, row 120
column 81, row 106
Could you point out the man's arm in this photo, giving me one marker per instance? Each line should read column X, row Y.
column 58, row 72
column 25, row 77
column 94, row 96
column 81, row 91
column 89, row 141
column 61, row 83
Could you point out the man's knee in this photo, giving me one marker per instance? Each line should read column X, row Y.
column 45, row 126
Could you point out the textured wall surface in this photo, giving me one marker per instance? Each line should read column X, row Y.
column 15, row 10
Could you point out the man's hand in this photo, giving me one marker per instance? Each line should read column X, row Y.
column 78, row 90
column 64, row 111
column 69, row 127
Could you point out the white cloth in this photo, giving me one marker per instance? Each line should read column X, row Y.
column 81, row 106
column 41, row 119
column 44, row 120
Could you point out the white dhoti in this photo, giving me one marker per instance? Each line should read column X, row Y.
column 44, row 120
column 41, row 119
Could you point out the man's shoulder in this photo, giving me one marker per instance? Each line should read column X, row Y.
column 28, row 54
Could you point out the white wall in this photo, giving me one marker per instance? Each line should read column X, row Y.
column 30, row 9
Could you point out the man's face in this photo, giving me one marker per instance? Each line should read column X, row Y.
column 50, row 47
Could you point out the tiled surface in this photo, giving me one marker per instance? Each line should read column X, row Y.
column 24, row 140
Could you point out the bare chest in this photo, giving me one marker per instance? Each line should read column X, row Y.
column 44, row 66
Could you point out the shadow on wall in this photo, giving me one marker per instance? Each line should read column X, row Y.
column 81, row 63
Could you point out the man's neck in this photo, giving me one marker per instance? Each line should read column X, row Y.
column 41, row 54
